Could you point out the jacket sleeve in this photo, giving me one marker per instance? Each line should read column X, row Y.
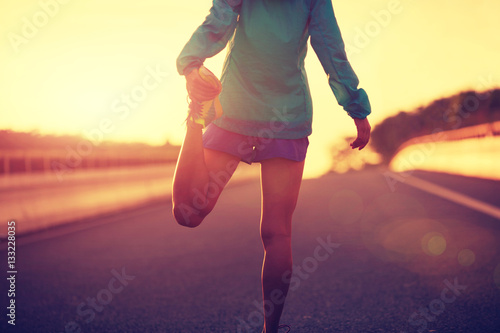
column 327, row 42
column 211, row 37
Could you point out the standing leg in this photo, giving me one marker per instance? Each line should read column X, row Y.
column 200, row 176
column 280, row 180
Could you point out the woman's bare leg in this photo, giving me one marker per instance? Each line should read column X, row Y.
column 200, row 176
column 280, row 180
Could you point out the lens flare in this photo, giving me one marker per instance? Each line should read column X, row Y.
column 496, row 276
column 434, row 243
column 466, row 257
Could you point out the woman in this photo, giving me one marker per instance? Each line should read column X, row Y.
column 267, row 113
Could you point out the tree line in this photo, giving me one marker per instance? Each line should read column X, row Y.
column 464, row 109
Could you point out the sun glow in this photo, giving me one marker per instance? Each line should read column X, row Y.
column 66, row 62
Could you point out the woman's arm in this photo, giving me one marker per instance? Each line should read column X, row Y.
column 327, row 42
column 211, row 37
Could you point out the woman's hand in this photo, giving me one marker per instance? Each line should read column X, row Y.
column 363, row 127
column 198, row 89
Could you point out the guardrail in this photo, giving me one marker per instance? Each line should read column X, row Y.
column 470, row 151
column 477, row 131
column 30, row 160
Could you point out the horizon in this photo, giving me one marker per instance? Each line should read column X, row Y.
column 92, row 137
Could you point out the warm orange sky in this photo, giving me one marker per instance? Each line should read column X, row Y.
column 72, row 68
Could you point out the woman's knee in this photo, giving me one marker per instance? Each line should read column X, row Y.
column 275, row 236
column 187, row 216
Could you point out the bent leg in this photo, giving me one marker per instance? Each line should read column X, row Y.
column 280, row 179
column 200, row 176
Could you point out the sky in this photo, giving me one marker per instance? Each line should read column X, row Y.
column 106, row 69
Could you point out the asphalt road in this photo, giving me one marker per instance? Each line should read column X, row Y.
column 368, row 257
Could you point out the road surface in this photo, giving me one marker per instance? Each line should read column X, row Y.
column 370, row 255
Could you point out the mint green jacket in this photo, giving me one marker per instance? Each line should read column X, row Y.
column 265, row 92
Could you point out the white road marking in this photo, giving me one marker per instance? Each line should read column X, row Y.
column 456, row 197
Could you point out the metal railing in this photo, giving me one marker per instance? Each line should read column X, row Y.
column 32, row 160
column 470, row 132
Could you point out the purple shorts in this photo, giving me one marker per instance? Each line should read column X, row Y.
column 254, row 149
